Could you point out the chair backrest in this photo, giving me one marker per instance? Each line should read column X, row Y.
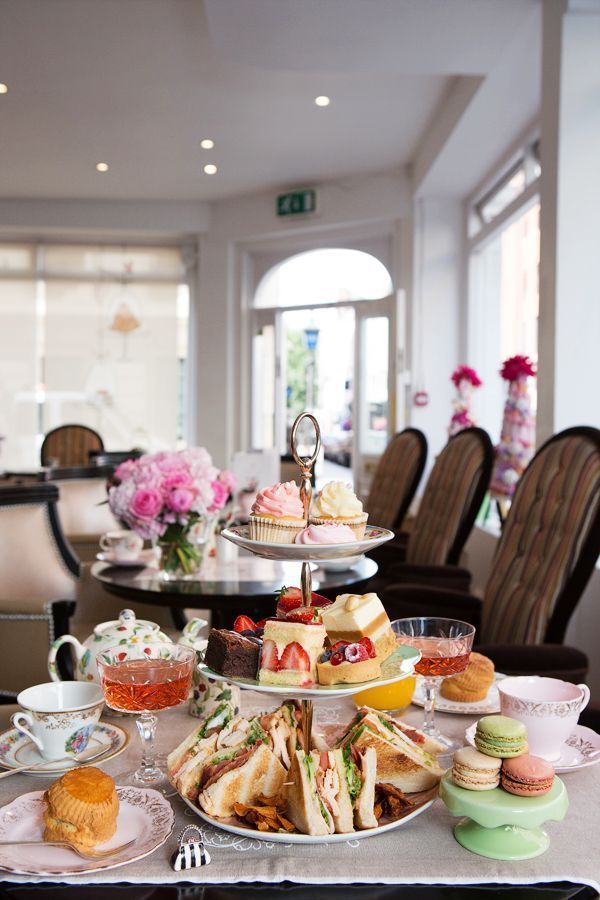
column 451, row 500
column 39, row 573
column 549, row 544
column 396, row 478
column 70, row 445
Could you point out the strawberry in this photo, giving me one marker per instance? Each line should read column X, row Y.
column 261, row 624
column 269, row 659
column 290, row 598
column 295, row 657
column 369, row 646
column 244, row 623
column 304, row 614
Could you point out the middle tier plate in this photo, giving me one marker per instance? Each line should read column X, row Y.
column 399, row 665
column 374, row 536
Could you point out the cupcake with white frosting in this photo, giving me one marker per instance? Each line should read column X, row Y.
column 337, row 504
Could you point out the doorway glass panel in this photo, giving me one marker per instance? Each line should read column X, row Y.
column 373, row 433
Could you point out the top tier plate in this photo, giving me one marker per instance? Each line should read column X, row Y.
column 374, row 536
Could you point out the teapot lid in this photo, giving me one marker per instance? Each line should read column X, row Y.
column 126, row 621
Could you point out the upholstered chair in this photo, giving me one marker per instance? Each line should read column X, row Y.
column 70, row 445
column 38, row 584
column 449, row 505
column 545, row 555
column 396, row 478
column 82, row 507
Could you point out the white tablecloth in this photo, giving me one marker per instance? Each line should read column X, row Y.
column 421, row 852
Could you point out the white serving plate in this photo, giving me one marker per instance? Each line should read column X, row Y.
column 145, row 817
column 489, row 705
column 245, row 831
column 374, row 536
column 17, row 750
column 399, row 665
column 340, row 565
column 580, row 750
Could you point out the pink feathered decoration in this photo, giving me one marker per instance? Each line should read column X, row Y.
column 516, row 366
column 466, row 373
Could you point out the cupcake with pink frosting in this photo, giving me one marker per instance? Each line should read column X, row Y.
column 277, row 514
column 337, row 504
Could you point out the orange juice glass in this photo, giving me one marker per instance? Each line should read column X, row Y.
column 395, row 696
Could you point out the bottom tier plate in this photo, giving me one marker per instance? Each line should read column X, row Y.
column 234, row 826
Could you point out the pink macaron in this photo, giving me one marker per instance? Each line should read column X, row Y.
column 527, row 776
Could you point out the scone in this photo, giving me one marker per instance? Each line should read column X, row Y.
column 81, row 807
column 472, row 684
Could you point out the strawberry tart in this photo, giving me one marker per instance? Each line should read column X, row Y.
column 290, row 651
column 349, row 663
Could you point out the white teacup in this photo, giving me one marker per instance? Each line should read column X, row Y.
column 124, row 544
column 60, row 716
column 548, row 707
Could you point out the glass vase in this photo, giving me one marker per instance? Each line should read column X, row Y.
column 180, row 555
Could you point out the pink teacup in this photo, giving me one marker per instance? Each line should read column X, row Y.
column 548, row 707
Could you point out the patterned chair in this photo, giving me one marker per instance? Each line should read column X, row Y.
column 70, row 445
column 451, row 500
column 38, row 586
column 546, row 553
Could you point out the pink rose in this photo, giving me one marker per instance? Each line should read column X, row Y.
column 228, row 479
column 176, row 479
column 180, row 499
column 221, row 493
column 146, row 503
column 169, row 462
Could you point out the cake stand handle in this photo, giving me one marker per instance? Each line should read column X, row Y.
column 306, row 709
column 305, row 464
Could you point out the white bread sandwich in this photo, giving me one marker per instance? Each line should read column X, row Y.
column 184, row 763
column 332, row 790
column 400, row 761
column 400, row 730
column 239, row 776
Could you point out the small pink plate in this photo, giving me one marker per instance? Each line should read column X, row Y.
column 145, row 816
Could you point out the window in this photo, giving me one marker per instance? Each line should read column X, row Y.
column 524, row 170
column 324, row 276
column 93, row 335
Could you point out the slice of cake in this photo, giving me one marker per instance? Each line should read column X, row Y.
column 290, row 651
column 232, row 654
column 349, row 663
column 355, row 616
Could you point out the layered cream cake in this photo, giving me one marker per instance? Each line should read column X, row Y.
column 355, row 616
column 290, row 651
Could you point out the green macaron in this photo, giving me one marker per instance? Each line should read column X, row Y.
column 501, row 736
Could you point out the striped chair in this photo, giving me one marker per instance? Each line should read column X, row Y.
column 546, row 553
column 70, row 445
column 396, row 478
column 451, row 500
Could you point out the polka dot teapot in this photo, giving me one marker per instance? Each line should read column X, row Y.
column 123, row 630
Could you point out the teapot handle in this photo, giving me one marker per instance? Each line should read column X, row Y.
column 65, row 639
column 194, row 626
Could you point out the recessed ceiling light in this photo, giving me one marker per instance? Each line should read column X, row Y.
column 207, row 144
column 210, row 169
column 3, row 88
column 322, row 100
column 101, row 167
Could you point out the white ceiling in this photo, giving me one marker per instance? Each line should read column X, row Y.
column 138, row 84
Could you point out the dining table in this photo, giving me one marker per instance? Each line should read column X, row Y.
column 228, row 587
column 423, row 852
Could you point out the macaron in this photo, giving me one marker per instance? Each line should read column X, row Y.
column 527, row 776
column 475, row 771
column 501, row 736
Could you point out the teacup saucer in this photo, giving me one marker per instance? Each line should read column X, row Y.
column 143, row 559
column 580, row 750
column 17, row 750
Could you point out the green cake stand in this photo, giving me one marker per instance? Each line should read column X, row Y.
column 500, row 825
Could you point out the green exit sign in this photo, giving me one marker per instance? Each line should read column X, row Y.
column 296, row 203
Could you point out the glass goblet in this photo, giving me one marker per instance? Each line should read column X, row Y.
column 143, row 679
column 445, row 646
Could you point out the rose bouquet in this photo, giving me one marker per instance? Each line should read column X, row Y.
column 166, row 498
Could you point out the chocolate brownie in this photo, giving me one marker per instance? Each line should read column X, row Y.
column 230, row 653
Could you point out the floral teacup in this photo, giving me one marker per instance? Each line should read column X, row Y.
column 60, row 716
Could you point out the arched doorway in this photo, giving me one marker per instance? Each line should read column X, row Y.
column 323, row 338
